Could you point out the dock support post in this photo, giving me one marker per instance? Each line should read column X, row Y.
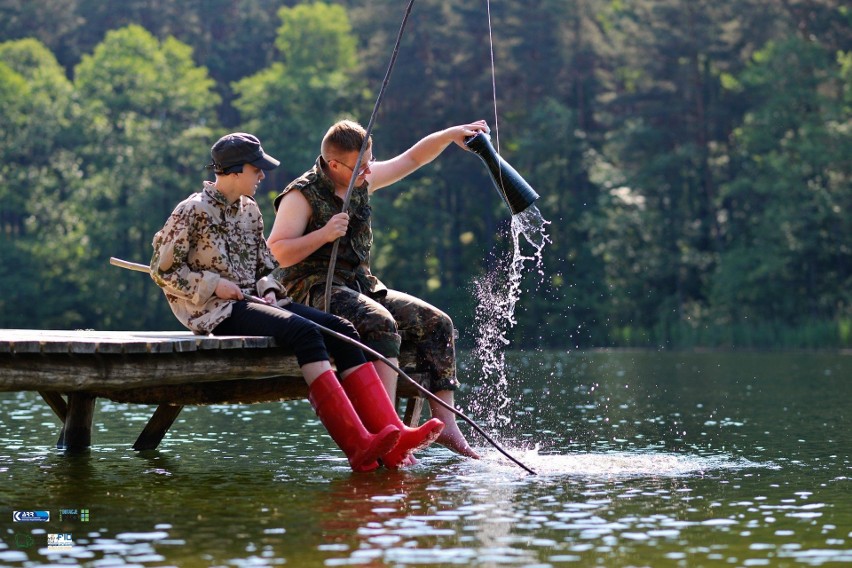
column 412, row 411
column 156, row 428
column 78, row 422
column 55, row 401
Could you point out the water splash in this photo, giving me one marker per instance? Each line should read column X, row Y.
column 497, row 294
column 619, row 465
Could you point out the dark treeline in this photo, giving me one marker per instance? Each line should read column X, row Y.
column 692, row 156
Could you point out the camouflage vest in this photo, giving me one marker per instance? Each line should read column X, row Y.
column 352, row 267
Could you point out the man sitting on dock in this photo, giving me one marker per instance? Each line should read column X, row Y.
column 211, row 260
column 309, row 219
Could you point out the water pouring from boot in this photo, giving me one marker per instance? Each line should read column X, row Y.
column 499, row 290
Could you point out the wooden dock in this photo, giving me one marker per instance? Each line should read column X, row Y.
column 72, row 369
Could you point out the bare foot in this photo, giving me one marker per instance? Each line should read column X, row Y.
column 453, row 439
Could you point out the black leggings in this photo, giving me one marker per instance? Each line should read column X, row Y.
column 290, row 331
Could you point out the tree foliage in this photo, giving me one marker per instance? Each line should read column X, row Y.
column 692, row 156
column 306, row 87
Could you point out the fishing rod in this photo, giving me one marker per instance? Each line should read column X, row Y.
column 333, row 260
column 423, row 390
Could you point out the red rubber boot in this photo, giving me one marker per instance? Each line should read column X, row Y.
column 336, row 413
column 376, row 410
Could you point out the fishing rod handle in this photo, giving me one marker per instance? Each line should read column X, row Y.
column 129, row 265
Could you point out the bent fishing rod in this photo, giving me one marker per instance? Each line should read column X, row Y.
column 333, row 260
column 423, row 390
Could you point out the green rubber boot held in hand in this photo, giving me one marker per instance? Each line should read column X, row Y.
column 337, row 414
column 371, row 402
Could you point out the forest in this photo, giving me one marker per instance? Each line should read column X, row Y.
column 692, row 156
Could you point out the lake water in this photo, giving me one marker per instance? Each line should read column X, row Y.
column 642, row 459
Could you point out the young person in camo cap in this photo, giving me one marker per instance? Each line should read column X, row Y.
column 211, row 254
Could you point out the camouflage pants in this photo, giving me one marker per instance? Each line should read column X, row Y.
column 380, row 321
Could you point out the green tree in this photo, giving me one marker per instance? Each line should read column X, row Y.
column 52, row 22
column 291, row 103
column 692, row 156
column 39, row 170
column 560, row 156
column 787, row 226
column 670, row 119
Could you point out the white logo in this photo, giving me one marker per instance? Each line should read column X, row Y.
column 61, row 541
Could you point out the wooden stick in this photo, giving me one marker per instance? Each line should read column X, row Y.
column 129, row 265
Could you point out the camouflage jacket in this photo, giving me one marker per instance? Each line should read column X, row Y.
column 206, row 239
column 352, row 267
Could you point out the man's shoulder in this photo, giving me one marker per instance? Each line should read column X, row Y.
column 307, row 179
column 301, row 183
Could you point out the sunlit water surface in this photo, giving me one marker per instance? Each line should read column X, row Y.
column 642, row 459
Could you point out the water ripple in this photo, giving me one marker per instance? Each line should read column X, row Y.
column 608, row 465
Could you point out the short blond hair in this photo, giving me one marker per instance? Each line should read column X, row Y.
column 342, row 137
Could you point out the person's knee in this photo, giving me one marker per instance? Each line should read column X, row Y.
column 383, row 324
column 447, row 384
column 445, row 323
column 381, row 332
column 301, row 332
column 308, row 345
column 343, row 326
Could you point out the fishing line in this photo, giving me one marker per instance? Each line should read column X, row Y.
column 493, row 75
column 333, row 260
column 494, row 88
column 423, row 390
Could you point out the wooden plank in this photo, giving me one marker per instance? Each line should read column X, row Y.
column 208, row 342
column 257, row 342
column 89, row 341
column 59, row 347
column 83, row 348
column 105, row 372
column 52, row 341
column 185, row 345
column 229, row 342
column 156, row 428
column 122, row 347
column 25, row 346
column 66, row 373
column 240, row 391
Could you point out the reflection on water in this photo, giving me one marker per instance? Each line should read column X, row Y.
column 643, row 459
